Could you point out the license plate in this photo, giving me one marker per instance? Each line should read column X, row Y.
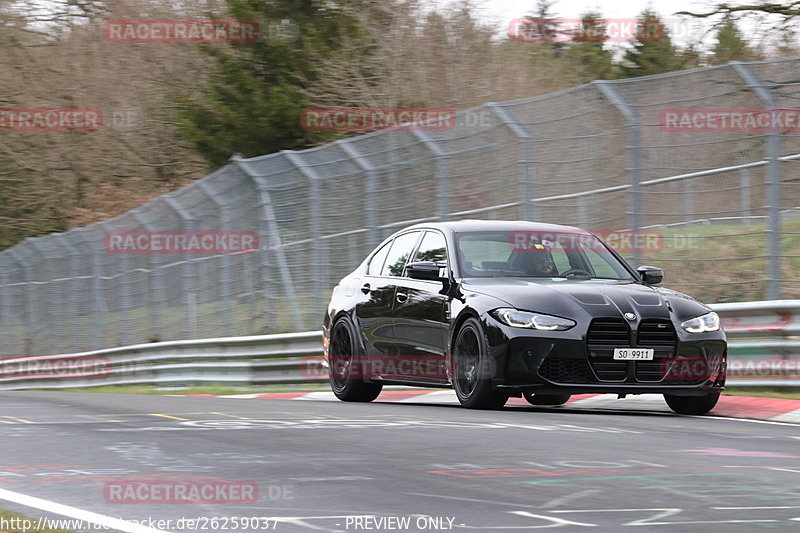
column 633, row 354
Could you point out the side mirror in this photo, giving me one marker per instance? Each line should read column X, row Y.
column 650, row 275
column 427, row 270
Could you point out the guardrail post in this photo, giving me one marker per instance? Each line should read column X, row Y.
column 634, row 125
column 773, row 175
column 370, row 191
column 527, row 180
column 442, row 172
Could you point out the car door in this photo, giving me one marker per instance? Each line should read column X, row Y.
column 376, row 298
column 420, row 317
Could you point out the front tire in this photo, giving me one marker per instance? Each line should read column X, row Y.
column 692, row 405
column 345, row 368
column 472, row 369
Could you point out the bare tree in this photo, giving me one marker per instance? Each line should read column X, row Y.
column 444, row 58
column 59, row 57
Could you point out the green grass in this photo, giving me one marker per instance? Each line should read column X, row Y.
column 702, row 260
column 788, row 393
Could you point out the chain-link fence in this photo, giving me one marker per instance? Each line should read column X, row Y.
column 599, row 156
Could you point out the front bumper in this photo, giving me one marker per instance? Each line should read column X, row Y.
column 565, row 362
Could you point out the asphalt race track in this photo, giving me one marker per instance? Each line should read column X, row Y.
column 333, row 466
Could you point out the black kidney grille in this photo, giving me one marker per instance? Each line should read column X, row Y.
column 656, row 333
column 564, row 370
column 603, row 336
column 608, row 332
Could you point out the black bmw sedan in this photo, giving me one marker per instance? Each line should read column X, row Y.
column 496, row 309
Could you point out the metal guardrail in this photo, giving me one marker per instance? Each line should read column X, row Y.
column 261, row 359
column 761, row 354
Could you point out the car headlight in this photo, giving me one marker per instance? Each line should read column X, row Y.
column 702, row 324
column 525, row 319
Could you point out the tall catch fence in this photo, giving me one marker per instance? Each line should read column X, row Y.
column 597, row 156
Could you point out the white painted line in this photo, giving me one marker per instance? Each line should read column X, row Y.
column 443, row 396
column 74, row 512
column 791, row 416
column 726, row 418
column 321, row 395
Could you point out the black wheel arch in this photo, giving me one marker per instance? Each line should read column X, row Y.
column 355, row 329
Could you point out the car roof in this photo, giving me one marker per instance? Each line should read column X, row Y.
column 469, row 225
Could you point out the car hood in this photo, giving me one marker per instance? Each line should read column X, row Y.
column 587, row 299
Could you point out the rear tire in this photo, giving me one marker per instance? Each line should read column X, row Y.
column 692, row 405
column 345, row 366
column 546, row 399
column 472, row 369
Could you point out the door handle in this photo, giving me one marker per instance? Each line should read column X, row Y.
column 365, row 288
column 401, row 297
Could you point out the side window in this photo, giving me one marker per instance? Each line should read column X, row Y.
column 432, row 248
column 376, row 264
column 401, row 248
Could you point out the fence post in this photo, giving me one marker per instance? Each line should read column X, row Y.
column 187, row 267
column 634, row 126
column 100, row 309
column 156, row 295
column 71, row 243
column 225, row 266
column 10, row 345
column 527, row 181
column 773, row 178
column 5, row 311
column 43, row 314
column 30, row 301
column 318, row 267
column 269, row 224
column 442, row 172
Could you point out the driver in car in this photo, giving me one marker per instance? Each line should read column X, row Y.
column 535, row 261
column 541, row 264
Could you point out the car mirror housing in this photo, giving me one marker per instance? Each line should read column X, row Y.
column 650, row 275
column 427, row 270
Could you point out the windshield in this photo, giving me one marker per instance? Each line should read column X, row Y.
column 533, row 254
